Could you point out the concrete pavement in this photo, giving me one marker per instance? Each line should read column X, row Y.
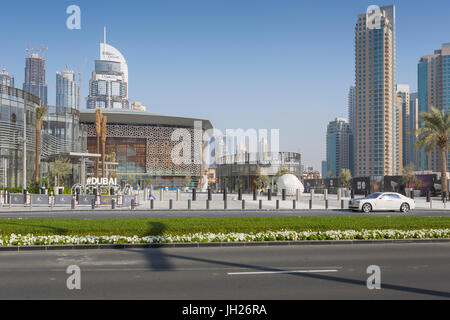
column 408, row 271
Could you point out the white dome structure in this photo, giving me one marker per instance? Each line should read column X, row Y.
column 291, row 183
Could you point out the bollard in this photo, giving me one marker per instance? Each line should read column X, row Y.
column 260, row 204
column 278, row 204
column 326, row 204
column 444, row 197
column 93, row 204
column 178, row 194
column 72, row 204
column 224, row 194
column 113, row 204
column 243, row 204
column 152, row 204
column 161, row 194
column 412, row 194
column 297, row 195
column 209, row 194
column 310, row 204
column 170, row 204
column 269, row 194
column 431, row 203
column 133, row 204
column 194, row 194
column 283, row 194
column 31, row 205
column 207, row 204
column 189, row 204
column 294, row 205
column 339, row 190
column 225, row 205
column 342, row 204
column 325, row 194
column 240, row 194
column 352, row 194
column 428, row 196
column 255, row 196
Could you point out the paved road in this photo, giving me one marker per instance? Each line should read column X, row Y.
column 412, row 271
column 108, row 214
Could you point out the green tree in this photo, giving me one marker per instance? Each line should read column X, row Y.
column 282, row 172
column 408, row 176
column 187, row 181
column 345, row 177
column 61, row 168
column 261, row 179
column 434, row 132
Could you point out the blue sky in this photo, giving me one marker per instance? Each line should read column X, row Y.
column 240, row 63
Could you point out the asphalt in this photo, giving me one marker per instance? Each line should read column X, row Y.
column 408, row 271
column 110, row 214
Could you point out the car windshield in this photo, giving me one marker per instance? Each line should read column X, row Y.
column 373, row 195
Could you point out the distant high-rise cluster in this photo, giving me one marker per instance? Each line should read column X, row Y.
column 382, row 114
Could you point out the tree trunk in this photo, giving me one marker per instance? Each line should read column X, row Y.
column 38, row 140
column 96, row 159
column 444, row 170
column 103, row 161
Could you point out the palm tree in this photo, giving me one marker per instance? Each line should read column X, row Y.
column 434, row 132
column 104, row 134
column 98, row 131
column 40, row 114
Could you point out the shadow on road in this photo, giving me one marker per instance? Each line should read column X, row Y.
column 159, row 261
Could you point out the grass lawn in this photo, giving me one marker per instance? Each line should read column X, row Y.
column 145, row 227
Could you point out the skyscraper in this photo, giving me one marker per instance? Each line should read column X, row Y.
column 434, row 90
column 6, row 79
column 351, row 120
column 338, row 132
column 108, row 88
column 35, row 76
column 414, row 125
column 67, row 90
column 375, row 141
column 403, row 103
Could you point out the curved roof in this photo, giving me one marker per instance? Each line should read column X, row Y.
column 142, row 118
column 109, row 53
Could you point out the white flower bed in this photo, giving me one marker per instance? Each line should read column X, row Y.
column 31, row 240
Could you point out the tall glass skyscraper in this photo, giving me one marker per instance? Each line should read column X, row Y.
column 35, row 77
column 434, row 90
column 67, row 90
column 338, row 133
column 108, row 88
column 375, row 122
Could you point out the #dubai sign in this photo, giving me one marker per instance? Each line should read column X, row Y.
column 101, row 181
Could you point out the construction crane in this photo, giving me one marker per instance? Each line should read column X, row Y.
column 33, row 48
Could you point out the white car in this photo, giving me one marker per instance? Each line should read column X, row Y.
column 383, row 201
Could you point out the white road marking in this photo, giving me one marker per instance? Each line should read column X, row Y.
column 280, row 272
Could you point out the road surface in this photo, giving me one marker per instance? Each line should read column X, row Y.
column 408, row 271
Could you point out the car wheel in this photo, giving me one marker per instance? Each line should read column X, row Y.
column 405, row 208
column 366, row 208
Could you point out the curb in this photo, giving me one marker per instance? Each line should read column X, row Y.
column 217, row 244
